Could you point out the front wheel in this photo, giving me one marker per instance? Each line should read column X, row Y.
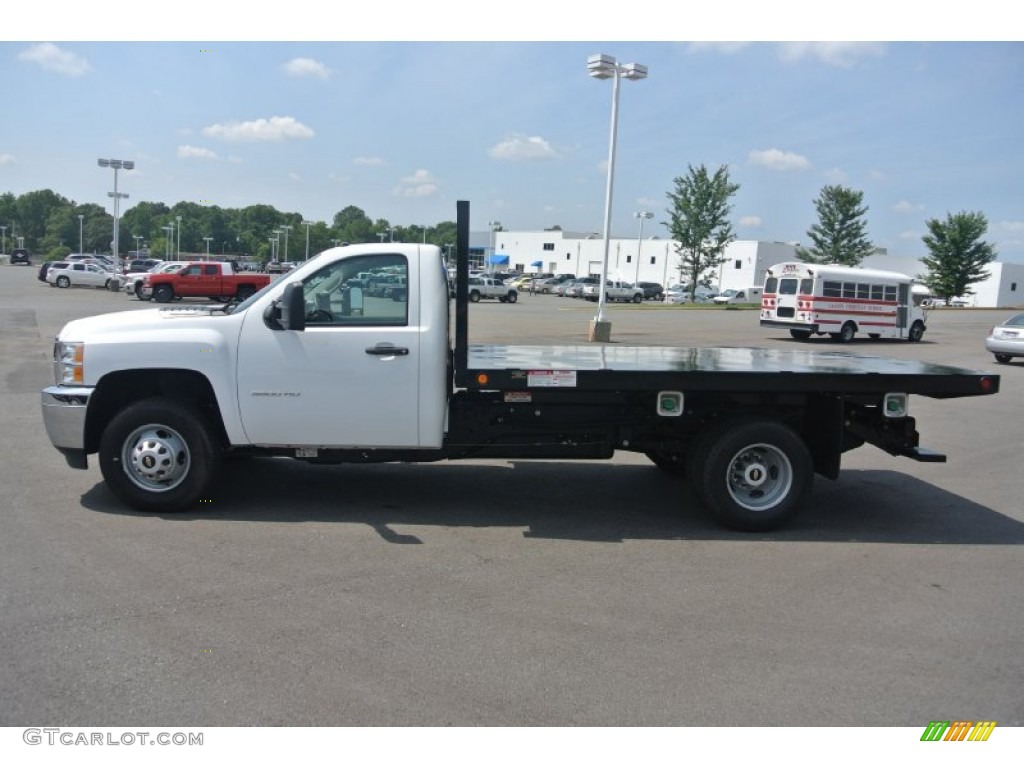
column 512, row 297
column 244, row 292
column 159, row 455
column 916, row 331
column 847, row 332
column 63, row 282
column 1001, row 358
column 163, row 293
column 755, row 475
column 474, row 296
column 637, row 298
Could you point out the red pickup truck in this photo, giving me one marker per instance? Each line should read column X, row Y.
column 210, row 279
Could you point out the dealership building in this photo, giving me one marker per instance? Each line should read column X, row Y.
column 655, row 260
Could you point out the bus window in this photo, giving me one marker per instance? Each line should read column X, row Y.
column 787, row 286
column 863, row 291
column 832, row 289
column 771, row 285
column 877, row 293
column 890, row 293
column 849, row 290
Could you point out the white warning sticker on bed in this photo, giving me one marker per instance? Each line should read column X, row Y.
column 551, row 378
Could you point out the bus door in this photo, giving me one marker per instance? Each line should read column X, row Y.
column 785, row 300
column 902, row 302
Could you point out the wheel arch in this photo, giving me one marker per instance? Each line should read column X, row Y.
column 116, row 391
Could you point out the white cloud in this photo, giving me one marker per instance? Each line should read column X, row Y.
column 367, row 161
column 836, row 54
column 835, row 175
column 905, row 206
column 909, row 234
column 420, row 184
column 294, row 176
column 307, row 68
column 522, row 148
column 7, row 160
column 717, row 47
column 262, row 129
column 54, row 59
column 187, row 151
column 777, row 160
column 750, row 221
column 1009, row 226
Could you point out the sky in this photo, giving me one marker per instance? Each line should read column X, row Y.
column 404, row 127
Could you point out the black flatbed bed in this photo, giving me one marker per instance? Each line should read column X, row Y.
column 734, row 369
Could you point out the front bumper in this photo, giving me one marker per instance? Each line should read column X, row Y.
column 64, row 412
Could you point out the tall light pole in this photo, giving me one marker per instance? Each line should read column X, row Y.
column 603, row 67
column 116, row 165
column 169, row 229
column 3, row 239
column 307, row 223
column 178, row 218
column 493, row 226
column 207, row 239
column 286, row 228
column 640, row 238
column 137, row 238
column 81, row 248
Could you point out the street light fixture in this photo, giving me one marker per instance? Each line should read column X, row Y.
column 117, row 165
column 603, row 67
column 640, row 238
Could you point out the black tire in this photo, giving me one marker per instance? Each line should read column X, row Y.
column 512, row 297
column 847, row 332
column 138, row 292
column 637, row 298
column 916, row 331
column 874, row 335
column 163, row 293
column 659, row 297
column 799, row 335
column 755, row 474
column 1001, row 358
column 671, row 463
column 474, row 296
column 244, row 292
column 63, row 282
column 159, row 455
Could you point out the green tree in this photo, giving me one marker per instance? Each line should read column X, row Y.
column 957, row 254
column 699, row 221
column 33, row 213
column 354, row 226
column 840, row 236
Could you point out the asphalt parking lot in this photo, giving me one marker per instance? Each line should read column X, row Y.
column 516, row 593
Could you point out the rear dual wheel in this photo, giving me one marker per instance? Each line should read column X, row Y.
column 752, row 475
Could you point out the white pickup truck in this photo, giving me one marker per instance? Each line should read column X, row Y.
column 491, row 288
column 614, row 290
column 313, row 369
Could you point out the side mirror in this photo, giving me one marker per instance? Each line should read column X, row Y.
column 289, row 312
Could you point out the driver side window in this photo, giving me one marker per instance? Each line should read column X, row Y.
column 360, row 291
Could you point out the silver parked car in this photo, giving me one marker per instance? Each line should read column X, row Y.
column 1006, row 340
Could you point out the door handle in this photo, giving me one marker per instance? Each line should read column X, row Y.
column 387, row 350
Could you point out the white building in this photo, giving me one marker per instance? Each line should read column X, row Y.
column 650, row 260
column 581, row 253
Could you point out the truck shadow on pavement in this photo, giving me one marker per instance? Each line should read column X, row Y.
column 587, row 501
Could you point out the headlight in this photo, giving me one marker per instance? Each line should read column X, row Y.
column 69, row 362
